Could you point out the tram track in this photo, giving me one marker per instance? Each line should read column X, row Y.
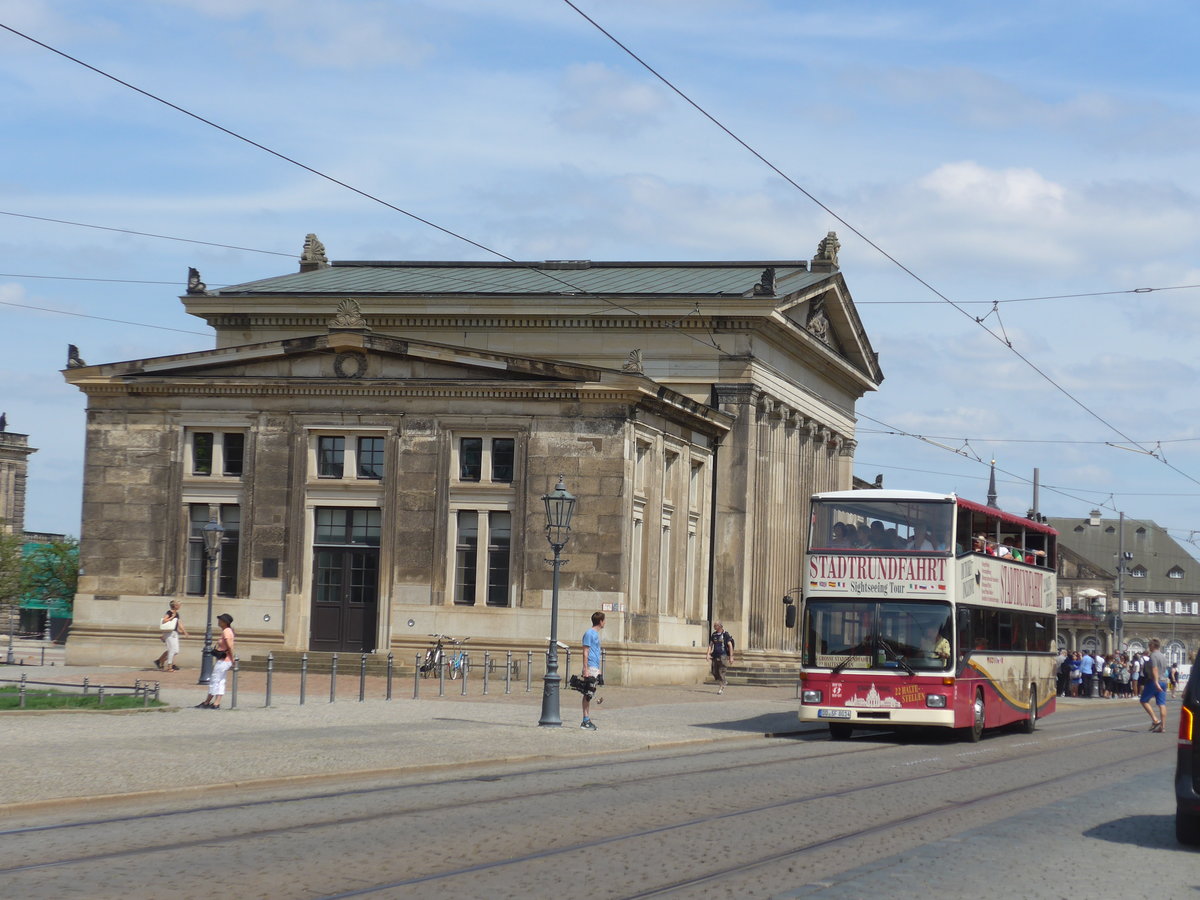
column 714, row 762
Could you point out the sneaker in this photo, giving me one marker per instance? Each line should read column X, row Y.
column 588, row 724
column 721, row 689
column 157, row 665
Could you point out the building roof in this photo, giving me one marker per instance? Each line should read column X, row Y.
column 706, row 279
column 1153, row 553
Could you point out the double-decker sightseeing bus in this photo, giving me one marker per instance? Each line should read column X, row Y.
column 924, row 609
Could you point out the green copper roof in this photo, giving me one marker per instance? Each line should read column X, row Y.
column 555, row 277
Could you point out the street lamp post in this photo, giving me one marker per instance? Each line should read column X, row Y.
column 560, row 506
column 213, row 532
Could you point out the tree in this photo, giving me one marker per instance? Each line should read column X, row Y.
column 11, row 567
column 51, row 572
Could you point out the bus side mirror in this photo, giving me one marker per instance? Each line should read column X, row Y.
column 789, row 612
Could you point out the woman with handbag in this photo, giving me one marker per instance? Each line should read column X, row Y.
column 222, row 653
column 171, row 628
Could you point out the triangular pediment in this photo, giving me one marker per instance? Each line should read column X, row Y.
column 826, row 314
column 341, row 355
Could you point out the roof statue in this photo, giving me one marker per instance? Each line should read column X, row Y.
column 766, row 283
column 195, row 285
column 826, row 259
column 313, row 256
column 349, row 317
column 74, row 360
column 3, row 421
column 634, row 363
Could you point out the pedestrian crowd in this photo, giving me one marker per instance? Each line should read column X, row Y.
column 1144, row 675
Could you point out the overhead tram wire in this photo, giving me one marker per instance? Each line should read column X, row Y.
column 720, row 125
column 163, row 237
column 63, row 312
column 1140, row 290
column 427, row 222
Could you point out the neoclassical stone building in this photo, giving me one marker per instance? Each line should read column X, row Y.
column 375, row 438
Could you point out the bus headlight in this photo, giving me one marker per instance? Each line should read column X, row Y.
column 811, row 696
column 935, row 701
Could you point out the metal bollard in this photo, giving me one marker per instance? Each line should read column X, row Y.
column 303, row 676
column 21, row 693
column 157, row 688
column 528, row 671
column 417, row 677
column 146, row 694
column 567, row 674
column 333, row 680
column 44, row 653
column 270, row 674
column 389, row 676
column 466, row 668
column 508, row 671
column 487, row 664
column 100, row 696
column 85, row 687
column 362, row 678
column 442, row 678
column 233, row 687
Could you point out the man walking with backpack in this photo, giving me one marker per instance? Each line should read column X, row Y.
column 720, row 655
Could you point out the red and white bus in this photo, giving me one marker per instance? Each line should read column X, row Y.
column 923, row 609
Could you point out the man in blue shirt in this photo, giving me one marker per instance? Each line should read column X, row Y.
column 591, row 664
column 1087, row 670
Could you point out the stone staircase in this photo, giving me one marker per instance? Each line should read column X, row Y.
column 767, row 674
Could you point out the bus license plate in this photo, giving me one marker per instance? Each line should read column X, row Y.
column 833, row 713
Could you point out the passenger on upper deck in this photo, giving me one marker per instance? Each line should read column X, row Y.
column 839, row 539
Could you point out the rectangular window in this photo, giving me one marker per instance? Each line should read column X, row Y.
column 202, row 453
column 499, row 540
column 227, row 563
column 470, row 459
column 466, row 557
column 331, row 454
column 487, row 459
column 335, row 526
column 503, row 451
column 370, row 457
column 234, row 445
column 482, row 551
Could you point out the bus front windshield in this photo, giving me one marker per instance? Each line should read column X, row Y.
column 869, row 634
column 896, row 526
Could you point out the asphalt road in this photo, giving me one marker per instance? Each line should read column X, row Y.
column 1081, row 807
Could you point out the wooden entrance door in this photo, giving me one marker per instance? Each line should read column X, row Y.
column 345, row 593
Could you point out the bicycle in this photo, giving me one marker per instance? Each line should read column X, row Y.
column 434, row 656
column 458, row 660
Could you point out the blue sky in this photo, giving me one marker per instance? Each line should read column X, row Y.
column 1000, row 153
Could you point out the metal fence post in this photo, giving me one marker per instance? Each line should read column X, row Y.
column 362, row 678
column 146, row 694
column 157, row 688
column 333, row 679
column 508, row 671
column 567, row 674
column 303, row 675
column 233, row 687
column 270, row 674
column 528, row 671
column 442, row 678
column 99, row 693
column 85, row 687
column 487, row 664
column 465, row 662
column 389, row 675
column 417, row 677
column 21, row 693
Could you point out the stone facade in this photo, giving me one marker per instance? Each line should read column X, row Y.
column 376, row 438
column 14, row 478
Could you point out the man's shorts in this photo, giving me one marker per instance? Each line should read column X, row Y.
column 1155, row 692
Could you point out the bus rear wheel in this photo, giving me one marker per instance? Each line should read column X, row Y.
column 840, row 731
column 1030, row 724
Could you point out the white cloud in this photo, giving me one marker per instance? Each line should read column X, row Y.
column 599, row 99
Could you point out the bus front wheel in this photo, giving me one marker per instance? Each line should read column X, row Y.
column 840, row 731
column 974, row 731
